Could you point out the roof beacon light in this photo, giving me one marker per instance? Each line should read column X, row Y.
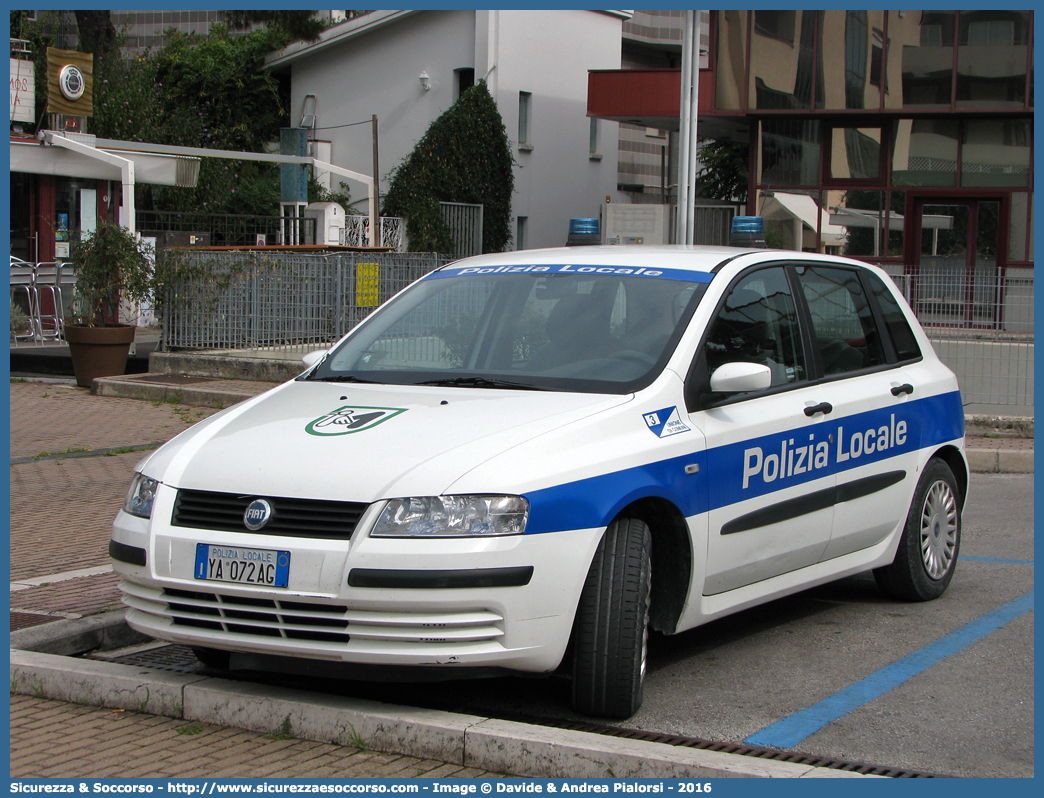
column 748, row 231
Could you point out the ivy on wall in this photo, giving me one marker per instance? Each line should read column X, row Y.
column 464, row 156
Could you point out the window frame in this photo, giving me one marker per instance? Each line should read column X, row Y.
column 697, row 379
column 525, row 120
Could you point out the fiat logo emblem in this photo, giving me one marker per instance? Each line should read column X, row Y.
column 258, row 513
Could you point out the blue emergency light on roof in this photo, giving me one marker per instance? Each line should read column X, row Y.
column 748, row 231
column 583, row 232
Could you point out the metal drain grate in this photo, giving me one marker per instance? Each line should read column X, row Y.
column 774, row 754
column 176, row 659
column 180, row 659
column 23, row 620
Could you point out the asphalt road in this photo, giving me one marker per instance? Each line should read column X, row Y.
column 839, row 671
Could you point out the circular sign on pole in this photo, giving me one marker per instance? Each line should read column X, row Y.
column 71, row 82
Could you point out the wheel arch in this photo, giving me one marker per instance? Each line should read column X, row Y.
column 951, row 455
column 671, row 558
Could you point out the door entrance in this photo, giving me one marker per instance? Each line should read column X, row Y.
column 955, row 279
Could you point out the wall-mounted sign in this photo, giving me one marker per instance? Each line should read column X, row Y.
column 23, row 91
column 70, row 82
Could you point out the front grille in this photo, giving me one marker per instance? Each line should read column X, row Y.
column 298, row 619
column 302, row 518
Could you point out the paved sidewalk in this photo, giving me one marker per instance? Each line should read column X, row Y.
column 105, row 743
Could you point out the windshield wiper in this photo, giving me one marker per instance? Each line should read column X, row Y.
column 343, row 378
column 480, row 382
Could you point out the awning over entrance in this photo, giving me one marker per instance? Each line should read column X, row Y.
column 649, row 97
column 160, row 170
column 805, row 209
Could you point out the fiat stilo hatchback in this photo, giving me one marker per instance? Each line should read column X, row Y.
column 525, row 461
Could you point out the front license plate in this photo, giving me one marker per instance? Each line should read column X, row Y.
column 264, row 567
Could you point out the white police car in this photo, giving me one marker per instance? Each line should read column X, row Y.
column 532, row 457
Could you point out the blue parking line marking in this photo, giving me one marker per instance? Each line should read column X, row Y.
column 790, row 731
column 997, row 559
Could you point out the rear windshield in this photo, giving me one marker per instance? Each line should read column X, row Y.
column 594, row 333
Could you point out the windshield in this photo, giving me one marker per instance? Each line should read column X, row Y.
column 563, row 331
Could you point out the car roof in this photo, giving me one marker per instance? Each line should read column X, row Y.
column 703, row 259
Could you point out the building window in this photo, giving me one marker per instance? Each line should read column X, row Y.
column 525, row 109
column 777, row 24
column 594, row 142
column 464, row 80
column 520, row 232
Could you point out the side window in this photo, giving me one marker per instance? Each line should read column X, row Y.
column 758, row 324
column 906, row 347
column 842, row 322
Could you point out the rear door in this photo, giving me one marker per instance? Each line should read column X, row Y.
column 875, row 416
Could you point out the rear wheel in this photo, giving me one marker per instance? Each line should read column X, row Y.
column 612, row 621
column 927, row 554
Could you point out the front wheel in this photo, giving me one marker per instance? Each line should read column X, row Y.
column 927, row 554
column 612, row 620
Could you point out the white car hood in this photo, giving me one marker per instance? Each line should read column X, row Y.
column 361, row 442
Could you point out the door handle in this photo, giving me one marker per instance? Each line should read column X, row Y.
column 822, row 407
column 901, row 389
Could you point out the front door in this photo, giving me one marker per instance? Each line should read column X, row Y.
column 956, row 246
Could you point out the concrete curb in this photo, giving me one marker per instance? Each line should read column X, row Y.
column 467, row 740
column 203, row 395
column 1000, row 461
column 226, row 367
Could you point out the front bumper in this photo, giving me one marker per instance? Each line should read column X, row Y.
column 500, row 602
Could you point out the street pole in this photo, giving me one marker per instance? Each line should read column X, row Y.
column 375, row 213
column 688, row 134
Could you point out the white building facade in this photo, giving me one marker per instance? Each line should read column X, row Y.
column 535, row 64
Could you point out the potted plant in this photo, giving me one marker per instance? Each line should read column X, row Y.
column 112, row 265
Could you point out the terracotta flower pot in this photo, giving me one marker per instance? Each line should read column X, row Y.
column 98, row 351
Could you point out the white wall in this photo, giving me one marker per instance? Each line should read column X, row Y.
column 547, row 53
column 377, row 73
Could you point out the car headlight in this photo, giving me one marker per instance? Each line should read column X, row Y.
column 140, row 496
column 452, row 516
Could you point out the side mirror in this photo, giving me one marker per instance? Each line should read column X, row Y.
column 741, row 378
column 314, row 357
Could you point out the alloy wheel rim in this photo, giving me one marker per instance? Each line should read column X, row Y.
column 938, row 530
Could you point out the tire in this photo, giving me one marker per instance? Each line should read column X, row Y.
column 612, row 621
column 213, row 658
column 927, row 554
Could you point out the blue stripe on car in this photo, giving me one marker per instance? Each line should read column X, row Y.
column 593, row 502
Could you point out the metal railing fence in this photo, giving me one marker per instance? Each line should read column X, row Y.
column 281, row 303
column 981, row 326
column 222, row 229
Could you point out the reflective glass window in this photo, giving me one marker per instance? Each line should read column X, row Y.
column 790, row 152
column 731, row 63
column 996, row 152
column 854, row 40
column 925, row 39
column 785, row 65
column 924, row 152
column 855, row 153
column 992, row 49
